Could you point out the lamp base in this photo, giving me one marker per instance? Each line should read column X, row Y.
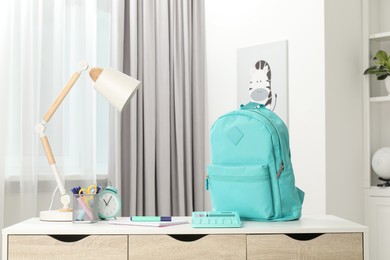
column 56, row 216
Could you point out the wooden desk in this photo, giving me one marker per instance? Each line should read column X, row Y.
column 316, row 237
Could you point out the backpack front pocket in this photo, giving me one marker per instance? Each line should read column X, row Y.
column 243, row 188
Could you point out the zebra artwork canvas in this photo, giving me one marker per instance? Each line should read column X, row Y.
column 260, row 85
column 262, row 76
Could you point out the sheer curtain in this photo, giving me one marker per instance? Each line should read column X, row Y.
column 43, row 45
column 163, row 129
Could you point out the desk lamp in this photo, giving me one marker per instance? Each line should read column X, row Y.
column 117, row 88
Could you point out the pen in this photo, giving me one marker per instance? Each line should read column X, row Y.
column 150, row 218
column 86, row 209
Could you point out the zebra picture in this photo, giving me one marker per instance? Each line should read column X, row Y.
column 260, row 85
column 262, row 70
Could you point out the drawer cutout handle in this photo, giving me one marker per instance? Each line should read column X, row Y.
column 187, row 238
column 304, row 236
column 69, row 238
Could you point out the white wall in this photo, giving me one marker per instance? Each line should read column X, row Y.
column 344, row 108
column 233, row 24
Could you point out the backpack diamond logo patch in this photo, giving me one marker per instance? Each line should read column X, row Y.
column 235, row 135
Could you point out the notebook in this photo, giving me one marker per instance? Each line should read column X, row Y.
column 127, row 222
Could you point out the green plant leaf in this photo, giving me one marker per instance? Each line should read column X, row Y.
column 381, row 56
column 387, row 64
column 382, row 69
column 370, row 70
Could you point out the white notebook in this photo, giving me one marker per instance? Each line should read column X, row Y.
column 127, row 222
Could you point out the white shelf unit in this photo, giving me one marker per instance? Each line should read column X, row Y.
column 376, row 36
column 378, row 107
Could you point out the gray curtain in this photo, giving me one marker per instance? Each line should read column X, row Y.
column 162, row 131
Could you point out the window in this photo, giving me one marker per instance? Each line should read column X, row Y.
column 47, row 42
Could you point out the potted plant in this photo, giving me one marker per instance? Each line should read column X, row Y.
column 381, row 69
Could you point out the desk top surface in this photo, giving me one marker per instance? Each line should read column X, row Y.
column 307, row 224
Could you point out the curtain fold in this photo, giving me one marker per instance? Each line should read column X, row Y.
column 162, row 131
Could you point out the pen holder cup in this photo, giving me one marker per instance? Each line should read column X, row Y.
column 85, row 208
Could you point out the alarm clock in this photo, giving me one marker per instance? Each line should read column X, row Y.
column 109, row 203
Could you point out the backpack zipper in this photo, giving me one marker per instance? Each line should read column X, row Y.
column 281, row 167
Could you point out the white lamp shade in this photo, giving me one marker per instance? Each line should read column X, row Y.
column 116, row 87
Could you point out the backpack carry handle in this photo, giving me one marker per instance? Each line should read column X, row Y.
column 251, row 105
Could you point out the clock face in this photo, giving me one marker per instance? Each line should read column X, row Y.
column 109, row 204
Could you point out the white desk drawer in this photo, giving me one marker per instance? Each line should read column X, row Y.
column 342, row 246
column 67, row 247
column 187, row 247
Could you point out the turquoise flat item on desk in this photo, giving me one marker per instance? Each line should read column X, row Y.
column 216, row 219
column 150, row 218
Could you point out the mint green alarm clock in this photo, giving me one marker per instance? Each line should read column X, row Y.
column 109, row 203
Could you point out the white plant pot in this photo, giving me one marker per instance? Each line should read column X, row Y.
column 387, row 84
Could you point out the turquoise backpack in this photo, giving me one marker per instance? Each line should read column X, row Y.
column 251, row 170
